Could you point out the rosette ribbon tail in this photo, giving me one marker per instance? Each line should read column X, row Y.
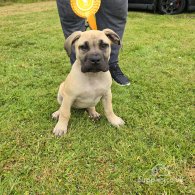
column 92, row 22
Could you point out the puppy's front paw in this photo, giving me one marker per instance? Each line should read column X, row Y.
column 116, row 121
column 59, row 130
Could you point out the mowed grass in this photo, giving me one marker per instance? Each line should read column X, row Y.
column 152, row 154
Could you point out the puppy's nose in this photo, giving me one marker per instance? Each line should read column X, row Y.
column 95, row 59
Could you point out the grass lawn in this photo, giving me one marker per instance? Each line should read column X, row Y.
column 152, row 154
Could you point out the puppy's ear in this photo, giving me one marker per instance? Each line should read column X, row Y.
column 71, row 40
column 114, row 38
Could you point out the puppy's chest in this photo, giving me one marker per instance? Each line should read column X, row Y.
column 90, row 96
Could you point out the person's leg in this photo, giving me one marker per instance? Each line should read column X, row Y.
column 70, row 22
column 113, row 15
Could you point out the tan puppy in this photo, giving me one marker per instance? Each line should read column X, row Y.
column 89, row 79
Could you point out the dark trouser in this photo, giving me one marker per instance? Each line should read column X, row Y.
column 112, row 14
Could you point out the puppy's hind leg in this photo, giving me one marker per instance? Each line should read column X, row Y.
column 93, row 114
column 59, row 98
column 56, row 114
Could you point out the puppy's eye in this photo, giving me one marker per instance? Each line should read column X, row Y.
column 84, row 47
column 103, row 45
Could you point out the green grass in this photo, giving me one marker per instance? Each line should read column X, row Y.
column 152, row 154
column 9, row 2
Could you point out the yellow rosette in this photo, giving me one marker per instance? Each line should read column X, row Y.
column 86, row 9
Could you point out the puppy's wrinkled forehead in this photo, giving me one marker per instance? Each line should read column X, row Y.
column 93, row 38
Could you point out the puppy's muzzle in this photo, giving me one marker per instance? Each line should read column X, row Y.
column 95, row 59
column 94, row 63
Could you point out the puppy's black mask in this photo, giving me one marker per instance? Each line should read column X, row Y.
column 94, row 56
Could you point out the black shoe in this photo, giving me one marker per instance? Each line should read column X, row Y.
column 118, row 76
